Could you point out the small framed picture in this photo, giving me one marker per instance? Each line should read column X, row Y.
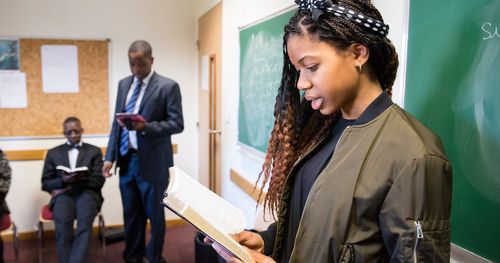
column 9, row 54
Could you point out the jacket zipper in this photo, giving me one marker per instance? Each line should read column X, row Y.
column 420, row 235
column 312, row 187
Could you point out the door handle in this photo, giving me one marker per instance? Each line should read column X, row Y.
column 215, row 131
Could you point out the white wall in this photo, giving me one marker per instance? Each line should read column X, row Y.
column 170, row 27
column 203, row 6
column 396, row 16
column 238, row 13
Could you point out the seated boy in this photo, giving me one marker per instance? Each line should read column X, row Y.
column 75, row 195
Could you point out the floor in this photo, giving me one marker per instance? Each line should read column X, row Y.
column 179, row 247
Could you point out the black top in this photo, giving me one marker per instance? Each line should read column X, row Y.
column 307, row 172
column 309, row 169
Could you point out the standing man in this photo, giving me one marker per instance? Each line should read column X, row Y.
column 143, row 151
column 75, row 195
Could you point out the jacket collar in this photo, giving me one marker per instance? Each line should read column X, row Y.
column 152, row 84
column 376, row 107
column 78, row 145
column 81, row 152
column 146, row 80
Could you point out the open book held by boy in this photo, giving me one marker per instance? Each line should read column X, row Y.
column 73, row 175
column 205, row 210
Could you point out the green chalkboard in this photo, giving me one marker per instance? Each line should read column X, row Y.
column 453, row 87
column 261, row 63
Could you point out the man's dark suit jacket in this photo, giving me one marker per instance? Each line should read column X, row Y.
column 161, row 107
column 89, row 155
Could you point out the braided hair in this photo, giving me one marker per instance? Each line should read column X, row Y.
column 297, row 126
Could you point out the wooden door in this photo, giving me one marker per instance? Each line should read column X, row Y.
column 209, row 95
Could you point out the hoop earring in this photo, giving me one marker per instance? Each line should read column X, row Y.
column 359, row 68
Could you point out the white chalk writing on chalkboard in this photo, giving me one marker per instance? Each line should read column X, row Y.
column 259, row 84
column 490, row 30
column 477, row 98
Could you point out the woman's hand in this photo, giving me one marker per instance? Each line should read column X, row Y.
column 247, row 239
column 230, row 258
column 251, row 241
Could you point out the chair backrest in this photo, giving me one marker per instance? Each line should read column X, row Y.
column 46, row 214
column 5, row 223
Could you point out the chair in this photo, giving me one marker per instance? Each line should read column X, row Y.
column 5, row 224
column 46, row 216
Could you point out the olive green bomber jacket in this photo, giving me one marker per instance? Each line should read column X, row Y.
column 385, row 195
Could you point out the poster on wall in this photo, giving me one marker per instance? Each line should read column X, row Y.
column 9, row 54
column 60, row 68
column 13, row 91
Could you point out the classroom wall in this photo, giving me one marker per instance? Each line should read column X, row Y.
column 239, row 13
column 203, row 6
column 170, row 27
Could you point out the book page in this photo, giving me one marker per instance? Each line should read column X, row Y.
column 63, row 168
column 69, row 170
column 207, row 211
column 80, row 169
column 224, row 240
column 221, row 214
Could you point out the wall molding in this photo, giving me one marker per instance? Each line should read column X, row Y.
column 38, row 154
column 247, row 186
column 461, row 255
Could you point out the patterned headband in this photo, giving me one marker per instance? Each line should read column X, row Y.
column 318, row 7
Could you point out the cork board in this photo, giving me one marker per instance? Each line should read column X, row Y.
column 46, row 111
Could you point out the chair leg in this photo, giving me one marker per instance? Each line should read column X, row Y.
column 102, row 229
column 40, row 241
column 15, row 241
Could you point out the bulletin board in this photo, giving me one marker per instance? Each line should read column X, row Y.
column 46, row 111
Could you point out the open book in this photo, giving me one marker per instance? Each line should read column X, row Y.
column 126, row 116
column 206, row 211
column 129, row 118
column 68, row 170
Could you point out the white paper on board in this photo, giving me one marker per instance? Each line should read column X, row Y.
column 60, row 68
column 13, row 93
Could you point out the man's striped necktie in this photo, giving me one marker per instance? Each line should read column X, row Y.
column 129, row 108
